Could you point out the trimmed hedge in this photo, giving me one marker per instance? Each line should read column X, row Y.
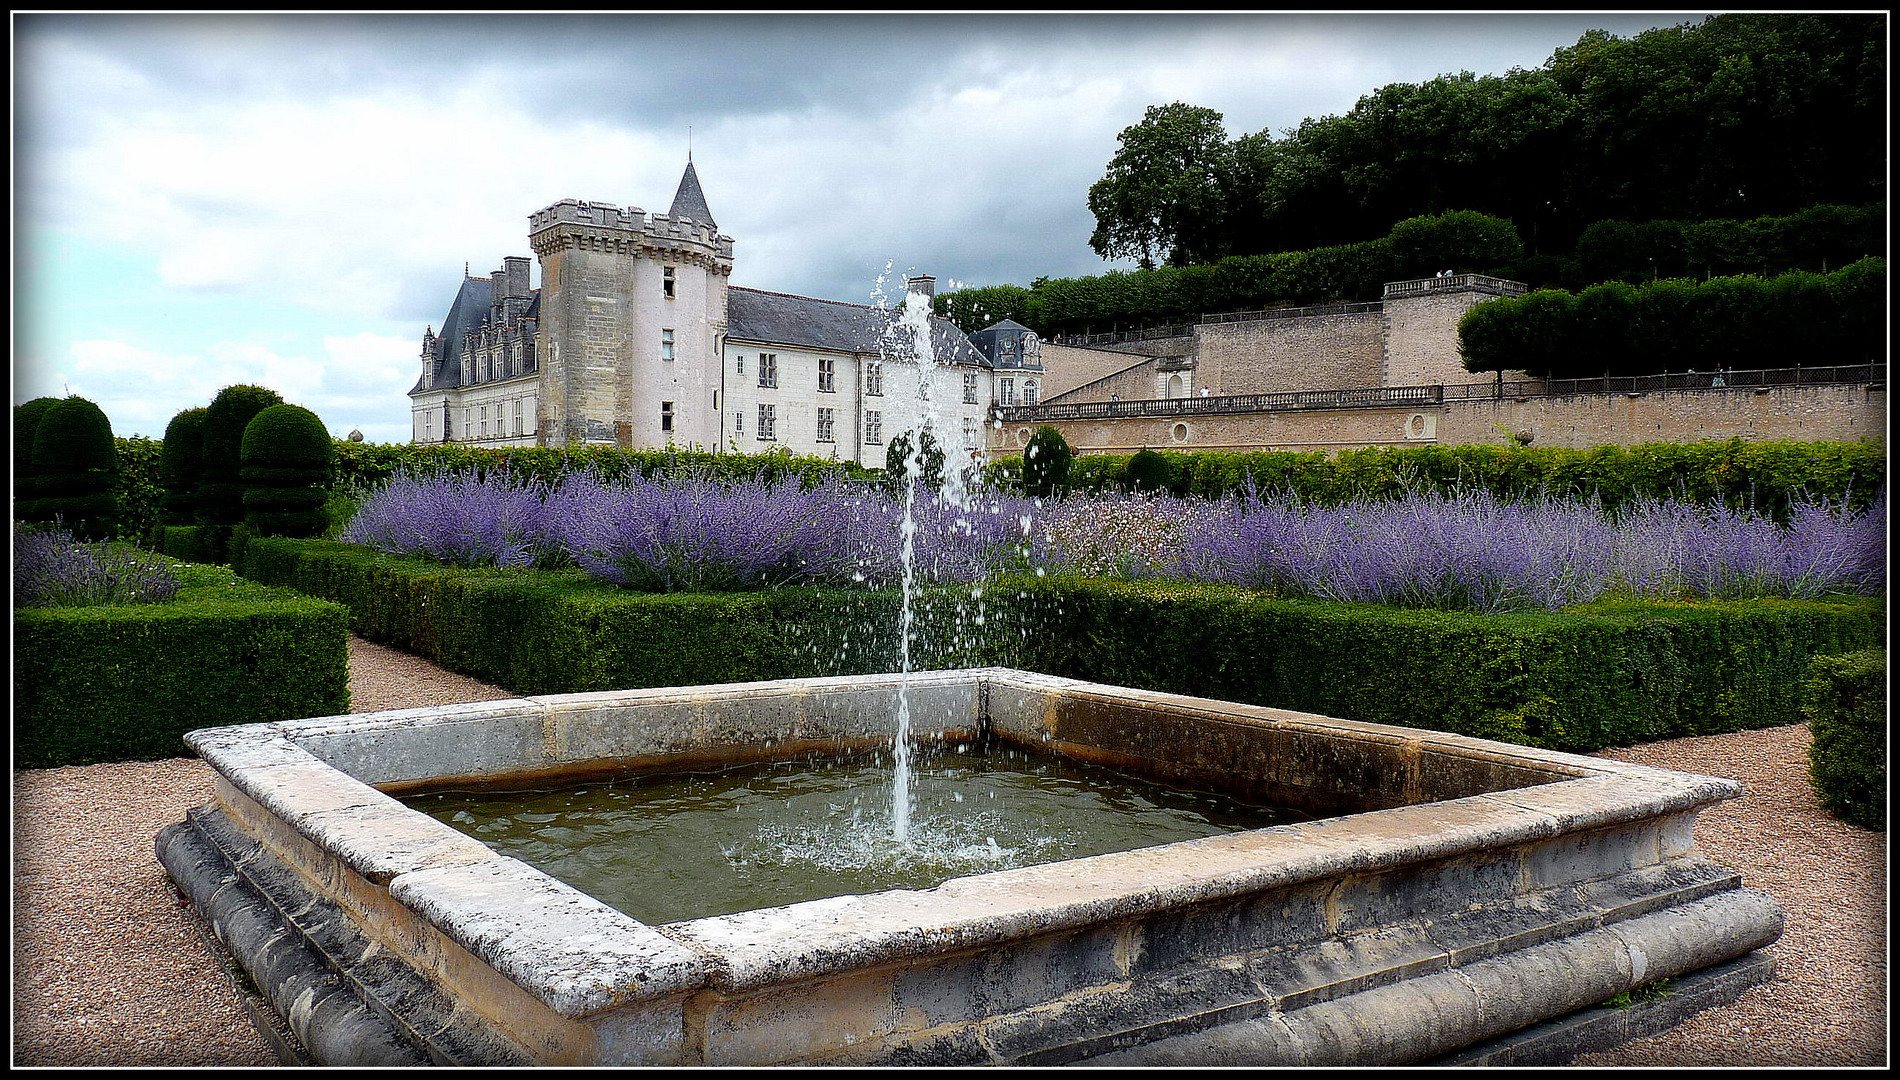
column 1847, row 714
column 125, row 683
column 1609, row 674
column 1764, row 475
column 559, row 631
column 1606, row 675
column 1675, row 324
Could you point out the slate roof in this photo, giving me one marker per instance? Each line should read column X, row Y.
column 473, row 301
column 770, row 318
column 690, row 201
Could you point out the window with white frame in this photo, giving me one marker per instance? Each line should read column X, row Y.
column 666, row 344
column 825, row 424
column 517, row 416
column 1031, row 394
column 873, row 426
column 768, row 422
column 969, row 389
column 827, row 373
column 768, row 371
column 738, row 364
column 874, row 378
column 738, row 422
column 1006, row 392
column 969, row 432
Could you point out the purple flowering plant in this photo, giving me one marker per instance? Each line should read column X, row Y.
column 455, row 517
column 1466, row 550
column 52, row 569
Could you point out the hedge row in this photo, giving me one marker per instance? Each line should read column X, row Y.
column 368, row 464
column 125, row 683
column 550, row 631
column 1819, row 238
column 1732, row 472
column 1608, row 675
column 1674, row 324
column 1847, row 715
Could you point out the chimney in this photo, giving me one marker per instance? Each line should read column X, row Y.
column 922, row 283
column 517, row 268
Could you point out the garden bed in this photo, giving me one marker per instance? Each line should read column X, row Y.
column 1605, row 674
column 124, row 682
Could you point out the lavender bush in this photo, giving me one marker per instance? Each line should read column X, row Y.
column 698, row 534
column 52, row 569
column 454, row 517
column 1469, row 550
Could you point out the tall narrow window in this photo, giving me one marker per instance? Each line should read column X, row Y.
column 827, row 373
column 969, row 431
column 517, row 416
column 1006, row 393
column 738, row 362
column 666, row 344
column 738, row 422
column 874, row 378
column 1031, row 394
column 873, row 426
column 768, row 423
column 667, row 282
column 768, row 369
column 484, row 415
column 666, row 416
column 825, row 423
column 969, row 389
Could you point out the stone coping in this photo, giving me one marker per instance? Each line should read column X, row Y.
column 581, row 957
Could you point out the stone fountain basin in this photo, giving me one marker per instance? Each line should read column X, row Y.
column 1461, row 890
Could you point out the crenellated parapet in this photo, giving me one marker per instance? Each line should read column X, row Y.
column 576, row 225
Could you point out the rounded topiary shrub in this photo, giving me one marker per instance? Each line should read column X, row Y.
column 287, row 457
column 930, row 460
column 221, row 493
column 75, row 470
column 26, row 421
column 181, row 466
column 1046, row 462
column 1148, row 471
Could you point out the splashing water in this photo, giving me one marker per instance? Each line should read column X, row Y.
column 907, row 340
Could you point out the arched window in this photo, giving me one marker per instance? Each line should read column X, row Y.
column 1175, row 387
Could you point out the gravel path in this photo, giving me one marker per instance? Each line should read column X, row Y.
column 108, row 968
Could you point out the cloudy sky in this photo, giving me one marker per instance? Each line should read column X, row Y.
column 289, row 200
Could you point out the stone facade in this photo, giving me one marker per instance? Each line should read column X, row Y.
column 1314, row 352
column 1834, row 413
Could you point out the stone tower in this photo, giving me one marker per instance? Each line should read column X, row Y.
column 633, row 312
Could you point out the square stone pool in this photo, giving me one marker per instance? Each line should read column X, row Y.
column 1443, row 890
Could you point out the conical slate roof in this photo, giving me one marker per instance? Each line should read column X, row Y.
column 690, row 202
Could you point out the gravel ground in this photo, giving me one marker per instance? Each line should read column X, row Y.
column 108, row 968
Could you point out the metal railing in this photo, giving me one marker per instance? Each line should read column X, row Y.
column 1721, row 379
column 1292, row 400
column 1413, row 396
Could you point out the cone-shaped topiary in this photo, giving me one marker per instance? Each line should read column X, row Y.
column 181, row 465
column 288, row 457
column 26, row 421
column 1148, row 471
column 1046, row 462
column 221, row 493
column 75, row 470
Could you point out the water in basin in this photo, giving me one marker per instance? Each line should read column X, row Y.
column 663, row 848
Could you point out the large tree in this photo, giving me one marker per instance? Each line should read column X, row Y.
column 1166, row 192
